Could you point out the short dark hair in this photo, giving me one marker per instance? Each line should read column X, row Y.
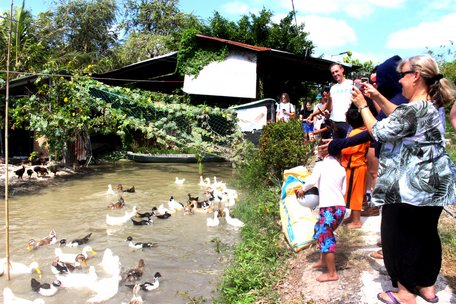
column 335, row 63
column 354, row 118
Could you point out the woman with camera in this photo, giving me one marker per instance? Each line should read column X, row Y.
column 415, row 177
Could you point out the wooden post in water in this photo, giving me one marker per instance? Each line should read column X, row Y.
column 7, row 253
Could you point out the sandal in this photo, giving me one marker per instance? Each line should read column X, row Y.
column 392, row 300
column 435, row 299
column 377, row 254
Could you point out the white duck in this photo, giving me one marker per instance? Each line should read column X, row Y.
column 73, row 257
column 179, row 181
column 120, row 220
column 232, row 221
column 110, row 190
column 110, row 262
column 175, row 205
column 105, row 288
column 78, row 280
column 212, row 222
column 10, row 298
column 205, row 182
column 19, row 268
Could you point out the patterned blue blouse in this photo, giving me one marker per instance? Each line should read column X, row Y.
column 414, row 167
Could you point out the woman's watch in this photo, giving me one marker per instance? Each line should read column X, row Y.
column 363, row 107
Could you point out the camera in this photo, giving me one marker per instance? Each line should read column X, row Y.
column 358, row 85
column 364, row 79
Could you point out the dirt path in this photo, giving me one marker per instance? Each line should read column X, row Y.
column 361, row 277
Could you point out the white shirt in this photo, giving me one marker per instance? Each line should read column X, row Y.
column 330, row 177
column 287, row 106
column 341, row 99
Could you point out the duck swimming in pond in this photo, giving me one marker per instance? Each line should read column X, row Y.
column 149, row 286
column 10, row 298
column 72, row 257
column 76, row 242
column 50, row 239
column 19, row 268
column 134, row 274
column 143, row 221
column 139, row 245
column 45, row 289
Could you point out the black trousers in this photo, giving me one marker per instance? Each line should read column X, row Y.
column 411, row 244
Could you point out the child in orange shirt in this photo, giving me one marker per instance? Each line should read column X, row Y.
column 355, row 163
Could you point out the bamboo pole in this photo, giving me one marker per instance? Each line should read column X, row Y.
column 7, row 239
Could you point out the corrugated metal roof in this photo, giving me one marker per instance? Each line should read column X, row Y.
column 240, row 44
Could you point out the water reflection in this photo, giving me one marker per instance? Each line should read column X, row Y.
column 186, row 255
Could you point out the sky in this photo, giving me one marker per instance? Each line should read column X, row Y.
column 371, row 29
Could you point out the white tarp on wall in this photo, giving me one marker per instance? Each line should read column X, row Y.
column 234, row 77
column 252, row 118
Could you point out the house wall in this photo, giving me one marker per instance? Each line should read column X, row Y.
column 236, row 76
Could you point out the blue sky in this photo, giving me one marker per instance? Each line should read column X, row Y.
column 371, row 29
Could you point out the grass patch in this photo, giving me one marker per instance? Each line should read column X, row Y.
column 251, row 274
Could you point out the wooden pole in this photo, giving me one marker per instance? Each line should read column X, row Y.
column 7, row 239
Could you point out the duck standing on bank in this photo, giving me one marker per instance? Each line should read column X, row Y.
column 232, row 221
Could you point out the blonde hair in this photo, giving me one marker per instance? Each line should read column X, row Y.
column 440, row 89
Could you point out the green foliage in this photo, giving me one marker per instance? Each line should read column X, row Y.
column 365, row 67
column 191, row 58
column 262, row 31
column 251, row 274
column 282, row 147
column 66, row 108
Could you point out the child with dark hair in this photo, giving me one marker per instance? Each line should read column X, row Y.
column 354, row 160
column 329, row 176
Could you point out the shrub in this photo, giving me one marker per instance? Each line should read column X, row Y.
column 282, row 147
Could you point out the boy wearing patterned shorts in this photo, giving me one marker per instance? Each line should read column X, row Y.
column 330, row 177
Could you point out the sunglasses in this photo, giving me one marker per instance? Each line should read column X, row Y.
column 406, row 72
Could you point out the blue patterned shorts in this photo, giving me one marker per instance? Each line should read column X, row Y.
column 330, row 218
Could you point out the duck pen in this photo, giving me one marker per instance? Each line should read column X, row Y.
column 7, row 251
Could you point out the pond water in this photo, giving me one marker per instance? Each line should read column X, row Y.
column 187, row 255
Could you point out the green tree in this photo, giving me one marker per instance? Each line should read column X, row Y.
column 260, row 30
column 364, row 68
column 23, row 41
column 152, row 28
column 79, row 32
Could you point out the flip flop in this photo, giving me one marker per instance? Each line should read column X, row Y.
column 435, row 299
column 390, row 295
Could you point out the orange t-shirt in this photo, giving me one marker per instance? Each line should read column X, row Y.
column 355, row 156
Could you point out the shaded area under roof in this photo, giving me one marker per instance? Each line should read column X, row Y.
column 154, row 74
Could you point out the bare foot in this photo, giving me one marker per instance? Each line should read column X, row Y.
column 354, row 225
column 326, row 277
column 347, row 220
column 318, row 265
